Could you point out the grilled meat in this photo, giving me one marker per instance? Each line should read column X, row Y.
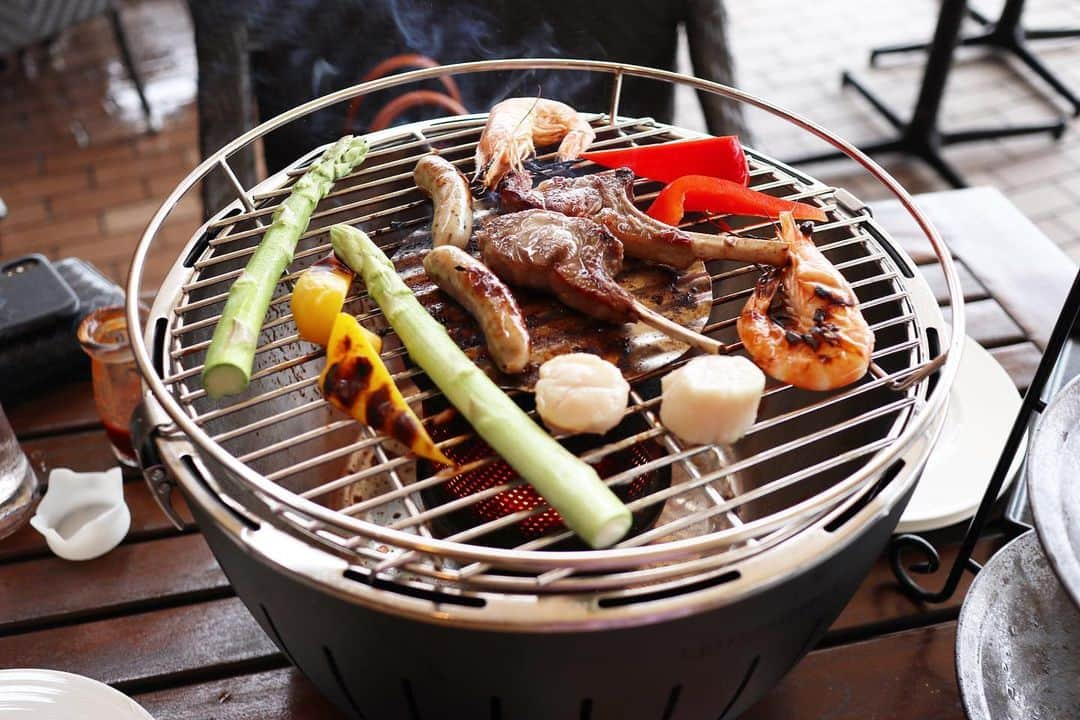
column 574, row 258
column 450, row 194
column 467, row 280
column 608, row 198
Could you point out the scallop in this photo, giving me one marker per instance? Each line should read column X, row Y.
column 581, row 393
column 711, row 399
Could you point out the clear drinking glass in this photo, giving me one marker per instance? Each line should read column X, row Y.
column 117, row 387
column 18, row 483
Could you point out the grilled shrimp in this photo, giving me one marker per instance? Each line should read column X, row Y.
column 802, row 323
column 517, row 125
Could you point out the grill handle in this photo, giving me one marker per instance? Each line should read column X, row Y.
column 145, row 430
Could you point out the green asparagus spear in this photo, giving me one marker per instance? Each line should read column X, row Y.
column 229, row 359
column 571, row 486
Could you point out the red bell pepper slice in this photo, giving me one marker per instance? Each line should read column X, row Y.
column 720, row 157
column 714, row 195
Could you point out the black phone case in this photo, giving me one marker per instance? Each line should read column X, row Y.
column 51, row 354
column 32, row 295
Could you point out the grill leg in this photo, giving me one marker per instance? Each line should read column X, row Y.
column 129, row 65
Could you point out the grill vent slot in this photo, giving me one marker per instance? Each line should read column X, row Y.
column 739, row 691
column 193, row 468
column 158, row 357
column 933, row 345
column 672, row 702
column 620, row 601
column 204, row 241
column 903, row 265
column 276, row 636
column 435, row 596
column 410, row 699
column 336, row 672
column 886, row 478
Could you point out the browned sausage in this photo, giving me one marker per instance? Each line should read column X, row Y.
column 449, row 191
column 486, row 297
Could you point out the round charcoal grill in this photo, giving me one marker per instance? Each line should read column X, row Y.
column 403, row 593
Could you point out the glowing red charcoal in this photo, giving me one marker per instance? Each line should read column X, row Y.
column 523, row 497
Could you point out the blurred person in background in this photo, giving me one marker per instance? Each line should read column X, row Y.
column 291, row 51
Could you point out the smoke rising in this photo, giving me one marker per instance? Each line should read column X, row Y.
column 306, row 48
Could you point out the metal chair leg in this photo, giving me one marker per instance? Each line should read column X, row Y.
column 932, row 156
column 901, row 48
column 1051, row 33
column 1056, row 128
column 1005, row 33
column 1049, row 77
column 848, row 79
column 921, row 136
column 129, row 64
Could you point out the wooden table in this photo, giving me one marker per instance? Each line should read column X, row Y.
column 157, row 619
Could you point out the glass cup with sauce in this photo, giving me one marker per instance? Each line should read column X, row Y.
column 117, row 385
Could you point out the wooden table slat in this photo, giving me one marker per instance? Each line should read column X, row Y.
column 130, row 577
column 55, row 410
column 1020, row 361
column 904, row 675
column 145, row 648
column 147, row 521
column 283, row 693
column 85, row 451
column 988, row 323
column 1020, row 267
column 935, row 278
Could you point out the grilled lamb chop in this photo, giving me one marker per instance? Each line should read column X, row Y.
column 576, row 260
column 571, row 257
column 608, row 198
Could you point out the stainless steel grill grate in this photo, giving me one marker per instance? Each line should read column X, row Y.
column 281, row 453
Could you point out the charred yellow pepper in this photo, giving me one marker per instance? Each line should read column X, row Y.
column 356, row 381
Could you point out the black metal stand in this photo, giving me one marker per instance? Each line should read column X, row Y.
column 920, row 136
column 129, row 65
column 1033, row 403
column 1009, row 35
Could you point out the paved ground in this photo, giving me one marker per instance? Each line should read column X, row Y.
column 793, row 55
column 80, row 176
column 78, row 172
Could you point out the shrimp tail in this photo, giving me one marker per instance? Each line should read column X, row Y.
column 789, row 231
column 575, row 142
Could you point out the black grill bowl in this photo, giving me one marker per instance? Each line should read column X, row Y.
column 380, row 666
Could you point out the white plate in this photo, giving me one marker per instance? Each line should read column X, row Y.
column 982, row 408
column 55, row 695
